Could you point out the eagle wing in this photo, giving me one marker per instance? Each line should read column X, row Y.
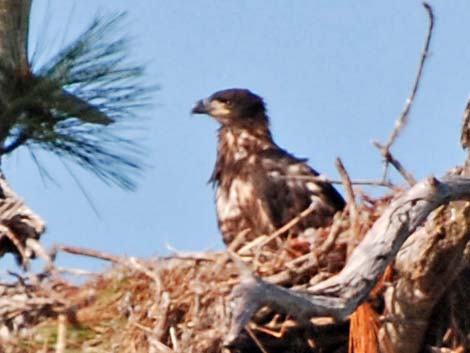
column 259, row 195
column 284, row 186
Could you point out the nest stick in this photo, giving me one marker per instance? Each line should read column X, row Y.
column 75, row 250
column 288, row 225
column 61, row 334
column 351, row 200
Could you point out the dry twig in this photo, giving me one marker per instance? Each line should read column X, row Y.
column 390, row 159
column 351, row 201
column 403, row 119
column 350, row 198
column 153, row 340
column 281, row 230
column 465, row 131
column 322, row 178
column 75, row 250
column 256, row 340
column 329, row 242
column 61, row 334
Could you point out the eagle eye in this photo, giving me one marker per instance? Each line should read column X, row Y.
column 225, row 101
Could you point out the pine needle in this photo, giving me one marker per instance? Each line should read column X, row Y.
column 67, row 105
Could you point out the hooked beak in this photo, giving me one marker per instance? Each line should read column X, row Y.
column 201, row 107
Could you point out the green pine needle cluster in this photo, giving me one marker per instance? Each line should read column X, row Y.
column 67, row 105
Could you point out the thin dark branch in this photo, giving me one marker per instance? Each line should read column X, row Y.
column 390, row 159
column 403, row 119
column 256, row 340
column 382, row 183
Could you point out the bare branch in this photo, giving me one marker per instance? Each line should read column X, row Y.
column 284, row 228
column 324, row 179
column 465, row 135
column 129, row 262
column 389, row 158
column 348, row 187
column 87, row 252
column 351, row 202
column 403, row 119
column 340, row 295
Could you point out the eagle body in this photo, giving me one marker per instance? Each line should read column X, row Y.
column 259, row 186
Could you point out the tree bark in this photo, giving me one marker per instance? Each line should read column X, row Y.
column 425, row 267
column 14, row 24
column 18, row 223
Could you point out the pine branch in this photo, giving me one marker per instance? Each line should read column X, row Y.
column 66, row 105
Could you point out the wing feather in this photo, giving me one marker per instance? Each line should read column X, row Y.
column 280, row 182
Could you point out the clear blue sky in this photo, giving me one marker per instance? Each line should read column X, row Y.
column 335, row 76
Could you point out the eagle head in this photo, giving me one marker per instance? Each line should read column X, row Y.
column 233, row 107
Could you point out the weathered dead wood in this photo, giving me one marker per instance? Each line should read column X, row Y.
column 340, row 295
column 18, row 223
column 424, row 269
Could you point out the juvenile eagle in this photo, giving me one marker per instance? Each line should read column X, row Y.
column 260, row 186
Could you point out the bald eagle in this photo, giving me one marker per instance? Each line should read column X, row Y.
column 260, row 186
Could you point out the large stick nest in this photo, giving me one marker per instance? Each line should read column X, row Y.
column 181, row 303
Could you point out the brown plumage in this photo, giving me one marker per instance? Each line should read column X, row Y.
column 260, row 186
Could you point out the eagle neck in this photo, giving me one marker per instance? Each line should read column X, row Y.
column 237, row 144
